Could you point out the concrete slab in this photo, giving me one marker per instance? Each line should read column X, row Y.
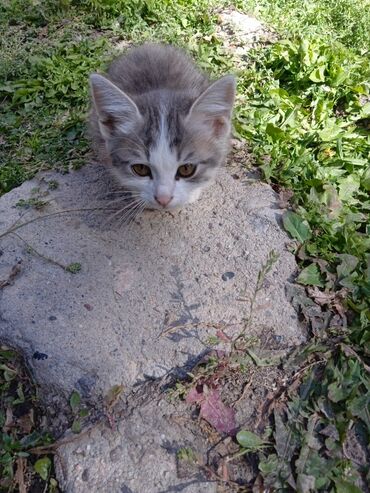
column 145, row 302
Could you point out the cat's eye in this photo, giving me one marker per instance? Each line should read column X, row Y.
column 186, row 171
column 141, row 170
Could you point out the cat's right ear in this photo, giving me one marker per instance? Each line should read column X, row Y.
column 116, row 111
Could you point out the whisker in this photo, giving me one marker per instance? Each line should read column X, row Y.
column 130, row 214
column 127, row 213
column 127, row 207
column 137, row 212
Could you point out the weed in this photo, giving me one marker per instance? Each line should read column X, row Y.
column 304, row 104
column 73, row 268
column 78, row 411
column 32, row 202
column 22, row 429
column 186, row 454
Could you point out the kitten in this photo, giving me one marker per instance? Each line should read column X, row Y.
column 162, row 126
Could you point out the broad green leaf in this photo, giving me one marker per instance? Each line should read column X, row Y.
column 274, row 132
column 76, row 426
column 74, row 401
column 311, row 276
column 337, row 391
column 339, row 76
column 349, row 281
column 249, row 440
column 83, row 413
column 42, row 467
column 348, row 264
column 348, row 187
column 296, row 226
column 330, row 133
column 317, row 75
column 359, row 407
column 365, row 182
column 343, row 486
column 365, row 110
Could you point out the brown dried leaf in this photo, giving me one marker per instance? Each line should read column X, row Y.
column 212, row 409
column 9, row 420
column 284, row 197
column 19, row 475
column 333, row 300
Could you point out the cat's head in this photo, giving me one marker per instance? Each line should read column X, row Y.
column 165, row 146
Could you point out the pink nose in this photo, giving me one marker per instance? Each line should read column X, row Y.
column 163, row 200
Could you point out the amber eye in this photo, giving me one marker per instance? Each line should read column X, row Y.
column 185, row 171
column 141, row 170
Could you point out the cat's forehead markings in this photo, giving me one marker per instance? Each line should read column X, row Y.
column 152, row 127
column 161, row 154
column 173, row 125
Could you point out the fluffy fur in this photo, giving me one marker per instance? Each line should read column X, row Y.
column 154, row 107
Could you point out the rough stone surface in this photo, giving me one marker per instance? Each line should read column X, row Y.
column 107, row 324
column 145, row 302
column 240, row 32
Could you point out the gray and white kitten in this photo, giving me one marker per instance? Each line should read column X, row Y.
column 160, row 124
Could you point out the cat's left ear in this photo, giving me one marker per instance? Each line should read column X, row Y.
column 214, row 106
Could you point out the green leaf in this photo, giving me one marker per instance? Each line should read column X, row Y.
column 348, row 187
column 337, row 392
column 76, row 426
column 74, row 401
column 311, row 276
column 348, row 264
column 296, row 226
column 42, row 467
column 269, row 465
column 343, row 486
column 84, row 412
column 365, row 182
column 317, row 75
column 249, row 440
column 330, row 133
column 365, row 110
column 274, row 132
column 359, row 407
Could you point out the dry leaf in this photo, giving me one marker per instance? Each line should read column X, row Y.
column 9, row 420
column 212, row 409
column 113, row 396
column 284, row 197
column 333, row 300
column 19, row 475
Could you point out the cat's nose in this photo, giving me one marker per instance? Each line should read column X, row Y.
column 163, row 200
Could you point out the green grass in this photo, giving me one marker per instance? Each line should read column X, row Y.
column 304, row 108
column 345, row 21
column 305, row 111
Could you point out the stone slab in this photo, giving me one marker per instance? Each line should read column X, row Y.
column 148, row 297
